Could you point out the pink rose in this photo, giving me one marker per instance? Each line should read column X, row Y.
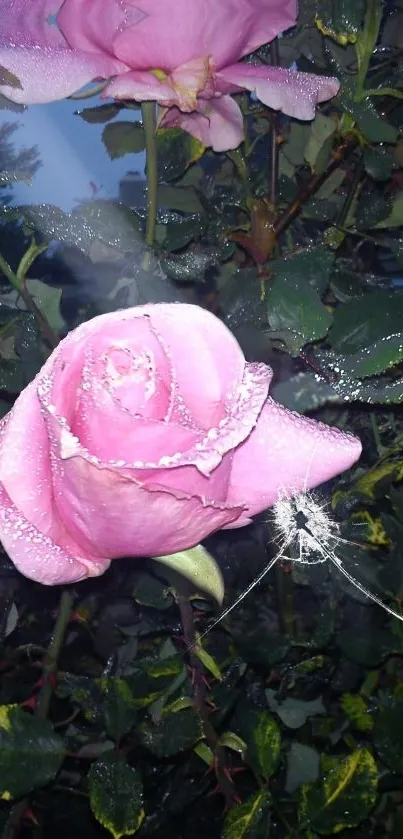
column 144, row 432
column 183, row 54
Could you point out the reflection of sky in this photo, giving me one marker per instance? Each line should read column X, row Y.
column 72, row 154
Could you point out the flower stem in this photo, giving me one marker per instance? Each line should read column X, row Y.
column 149, row 123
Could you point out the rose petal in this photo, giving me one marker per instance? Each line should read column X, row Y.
column 217, row 122
column 287, row 453
column 141, row 85
column 113, row 513
column 294, row 93
column 48, row 74
column 28, row 24
column 37, row 556
column 148, row 34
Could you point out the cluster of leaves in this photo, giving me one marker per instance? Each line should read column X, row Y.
column 294, row 240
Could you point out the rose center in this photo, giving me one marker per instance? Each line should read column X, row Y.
column 130, row 376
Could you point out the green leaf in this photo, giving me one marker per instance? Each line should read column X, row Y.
column 395, row 217
column 207, row 660
column 294, row 712
column 378, row 163
column 100, row 114
column 30, row 752
column 233, row 742
column 388, row 736
column 118, row 706
column 176, row 731
column 383, row 354
column 122, row 138
column 48, row 301
column 148, row 591
column 264, row 744
column 343, row 797
column 374, row 128
column 319, row 146
column 184, row 199
column 293, row 300
column 199, row 568
column 340, row 19
column 251, row 820
column 356, row 709
column 176, row 151
column 116, row 795
column 302, row 766
column 362, row 321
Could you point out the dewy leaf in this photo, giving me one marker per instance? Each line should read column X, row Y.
column 388, row 736
column 366, row 319
column 383, row 354
column 122, row 138
column 30, row 752
column 343, row 797
column 317, row 152
column 199, row 568
column 340, row 20
column 176, row 151
column 395, row 217
column 100, row 114
column 119, row 707
column 176, row 731
column 116, row 795
column 48, row 301
column 294, row 712
column 264, row 744
column 251, row 820
column 302, row 766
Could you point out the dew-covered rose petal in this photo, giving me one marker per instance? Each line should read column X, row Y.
column 37, row 556
column 217, row 123
column 287, row 453
column 30, row 23
column 110, row 511
column 290, row 91
column 142, row 86
column 149, row 34
column 47, row 74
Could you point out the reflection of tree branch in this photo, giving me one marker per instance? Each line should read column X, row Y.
column 340, row 153
column 223, row 778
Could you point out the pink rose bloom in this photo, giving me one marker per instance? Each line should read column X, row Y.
column 183, row 54
column 144, row 432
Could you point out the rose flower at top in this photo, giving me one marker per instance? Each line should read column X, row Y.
column 183, row 54
column 145, row 431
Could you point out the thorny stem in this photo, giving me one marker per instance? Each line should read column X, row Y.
column 294, row 209
column 212, row 739
column 149, row 123
column 44, row 325
column 49, row 670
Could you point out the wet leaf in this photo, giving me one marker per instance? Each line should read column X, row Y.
column 118, row 706
column 116, row 795
column 317, row 152
column 362, row 321
column 101, row 113
column 31, row 753
column 343, row 797
column 199, row 568
column 175, row 732
column 264, row 744
column 340, row 20
column 302, row 766
column 357, row 711
column 184, row 199
column 378, row 163
column 250, row 820
column 395, row 217
column 176, row 151
column 388, row 736
column 294, row 712
column 122, row 138
column 377, row 358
